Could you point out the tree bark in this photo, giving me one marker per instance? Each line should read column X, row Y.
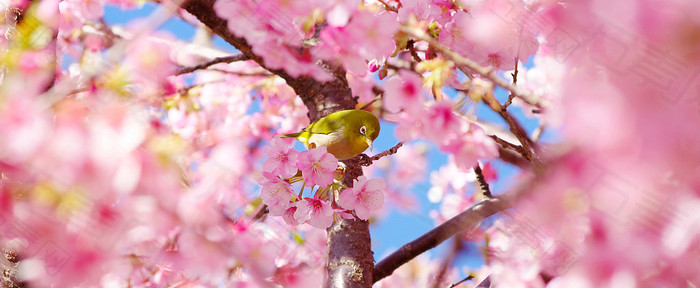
column 350, row 261
column 9, row 262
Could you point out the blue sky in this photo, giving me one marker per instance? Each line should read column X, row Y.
column 398, row 227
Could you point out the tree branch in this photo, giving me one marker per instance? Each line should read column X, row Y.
column 217, row 60
column 466, row 220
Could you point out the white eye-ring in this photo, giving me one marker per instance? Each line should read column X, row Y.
column 363, row 130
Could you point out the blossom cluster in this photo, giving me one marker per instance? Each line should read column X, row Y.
column 118, row 169
column 315, row 167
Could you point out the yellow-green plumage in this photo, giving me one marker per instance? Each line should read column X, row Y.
column 345, row 133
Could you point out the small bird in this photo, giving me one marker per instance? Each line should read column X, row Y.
column 345, row 133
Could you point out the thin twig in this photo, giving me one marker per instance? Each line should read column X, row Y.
column 262, row 211
column 515, row 128
column 368, row 160
column 217, row 60
column 515, row 82
column 519, row 133
column 482, row 181
column 412, row 49
column 471, row 65
column 469, row 277
column 242, row 74
column 509, row 145
column 538, row 132
column 447, row 262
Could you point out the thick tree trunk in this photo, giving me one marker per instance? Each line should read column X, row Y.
column 350, row 261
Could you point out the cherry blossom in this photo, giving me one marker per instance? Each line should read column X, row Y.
column 334, row 40
column 281, row 159
column 277, row 194
column 316, row 212
column 121, row 166
column 441, row 121
column 364, row 197
column 404, row 93
column 467, row 147
column 317, row 166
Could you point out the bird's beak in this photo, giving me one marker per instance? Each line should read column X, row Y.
column 369, row 143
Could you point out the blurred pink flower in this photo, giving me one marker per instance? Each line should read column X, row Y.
column 281, row 159
column 441, row 121
column 404, row 92
column 276, row 194
column 353, row 45
column 317, row 166
column 470, row 146
column 316, row 212
column 288, row 216
column 364, row 197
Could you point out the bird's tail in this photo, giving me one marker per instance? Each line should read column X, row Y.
column 290, row 135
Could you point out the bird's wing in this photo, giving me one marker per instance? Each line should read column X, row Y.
column 324, row 126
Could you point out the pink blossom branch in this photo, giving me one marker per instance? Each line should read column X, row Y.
column 217, row 60
column 489, row 99
column 471, row 65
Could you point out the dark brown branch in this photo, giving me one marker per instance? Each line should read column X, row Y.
column 520, row 133
column 508, row 145
column 466, row 220
column 482, row 181
column 217, row 60
column 512, row 157
column 515, row 128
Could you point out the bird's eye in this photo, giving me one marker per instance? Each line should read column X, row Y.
column 363, row 130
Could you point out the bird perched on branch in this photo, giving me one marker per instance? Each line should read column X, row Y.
column 345, row 133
